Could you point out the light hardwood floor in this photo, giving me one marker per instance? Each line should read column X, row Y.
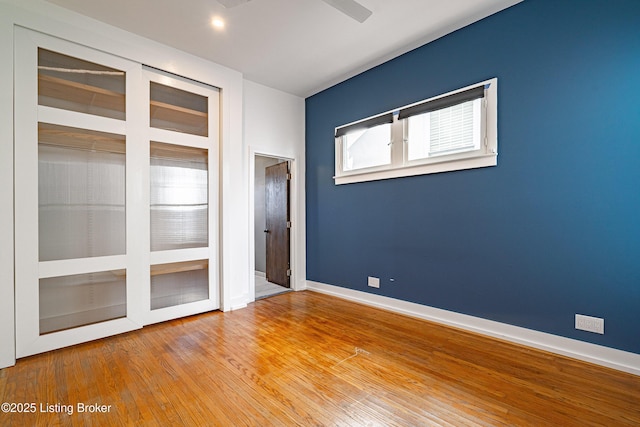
column 303, row 358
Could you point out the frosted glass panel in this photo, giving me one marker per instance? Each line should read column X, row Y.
column 179, row 197
column 73, row 84
column 178, row 110
column 72, row 301
column 81, row 193
column 179, row 283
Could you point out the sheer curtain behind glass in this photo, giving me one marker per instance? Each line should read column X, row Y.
column 179, row 197
column 81, row 193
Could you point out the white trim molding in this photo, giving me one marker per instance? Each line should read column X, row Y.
column 592, row 353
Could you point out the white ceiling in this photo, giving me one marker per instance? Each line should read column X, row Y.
column 297, row 46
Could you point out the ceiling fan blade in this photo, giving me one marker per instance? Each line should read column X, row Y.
column 352, row 8
column 232, row 3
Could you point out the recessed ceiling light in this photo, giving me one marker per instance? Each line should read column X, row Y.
column 217, row 23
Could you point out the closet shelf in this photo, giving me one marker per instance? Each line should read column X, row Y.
column 83, row 139
column 175, row 108
column 80, row 94
column 176, row 118
column 178, row 267
column 160, row 150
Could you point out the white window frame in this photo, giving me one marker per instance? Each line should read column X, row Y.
column 400, row 166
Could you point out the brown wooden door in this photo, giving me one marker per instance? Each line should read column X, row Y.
column 277, row 223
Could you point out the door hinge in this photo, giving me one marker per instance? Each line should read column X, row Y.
column 289, row 272
column 288, row 224
column 288, row 176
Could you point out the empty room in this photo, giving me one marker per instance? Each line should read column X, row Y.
column 320, row 212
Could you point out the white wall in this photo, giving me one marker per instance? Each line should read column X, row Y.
column 7, row 341
column 234, row 233
column 274, row 126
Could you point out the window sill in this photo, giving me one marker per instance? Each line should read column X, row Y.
column 422, row 169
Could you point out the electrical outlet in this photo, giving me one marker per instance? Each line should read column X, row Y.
column 590, row 324
column 374, row 282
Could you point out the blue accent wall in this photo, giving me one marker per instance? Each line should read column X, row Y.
column 554, row 229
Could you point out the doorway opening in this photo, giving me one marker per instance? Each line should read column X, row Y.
column 272, row 226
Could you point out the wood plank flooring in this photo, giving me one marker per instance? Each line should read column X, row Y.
column 307, row 359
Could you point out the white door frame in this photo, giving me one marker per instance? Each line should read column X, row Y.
column 293, row 214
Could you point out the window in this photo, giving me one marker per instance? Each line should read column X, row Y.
column 367, row 148
column 454, row 131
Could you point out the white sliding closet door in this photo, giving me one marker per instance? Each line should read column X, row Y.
column 74, row 197
column 116, row 195
column 182, row 140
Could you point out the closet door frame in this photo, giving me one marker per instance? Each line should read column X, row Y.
column 28, row 269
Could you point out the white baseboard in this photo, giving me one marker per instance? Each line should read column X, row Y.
column 593, row 353
column 261, row 273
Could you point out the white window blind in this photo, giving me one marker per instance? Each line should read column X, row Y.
column 449, row 130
